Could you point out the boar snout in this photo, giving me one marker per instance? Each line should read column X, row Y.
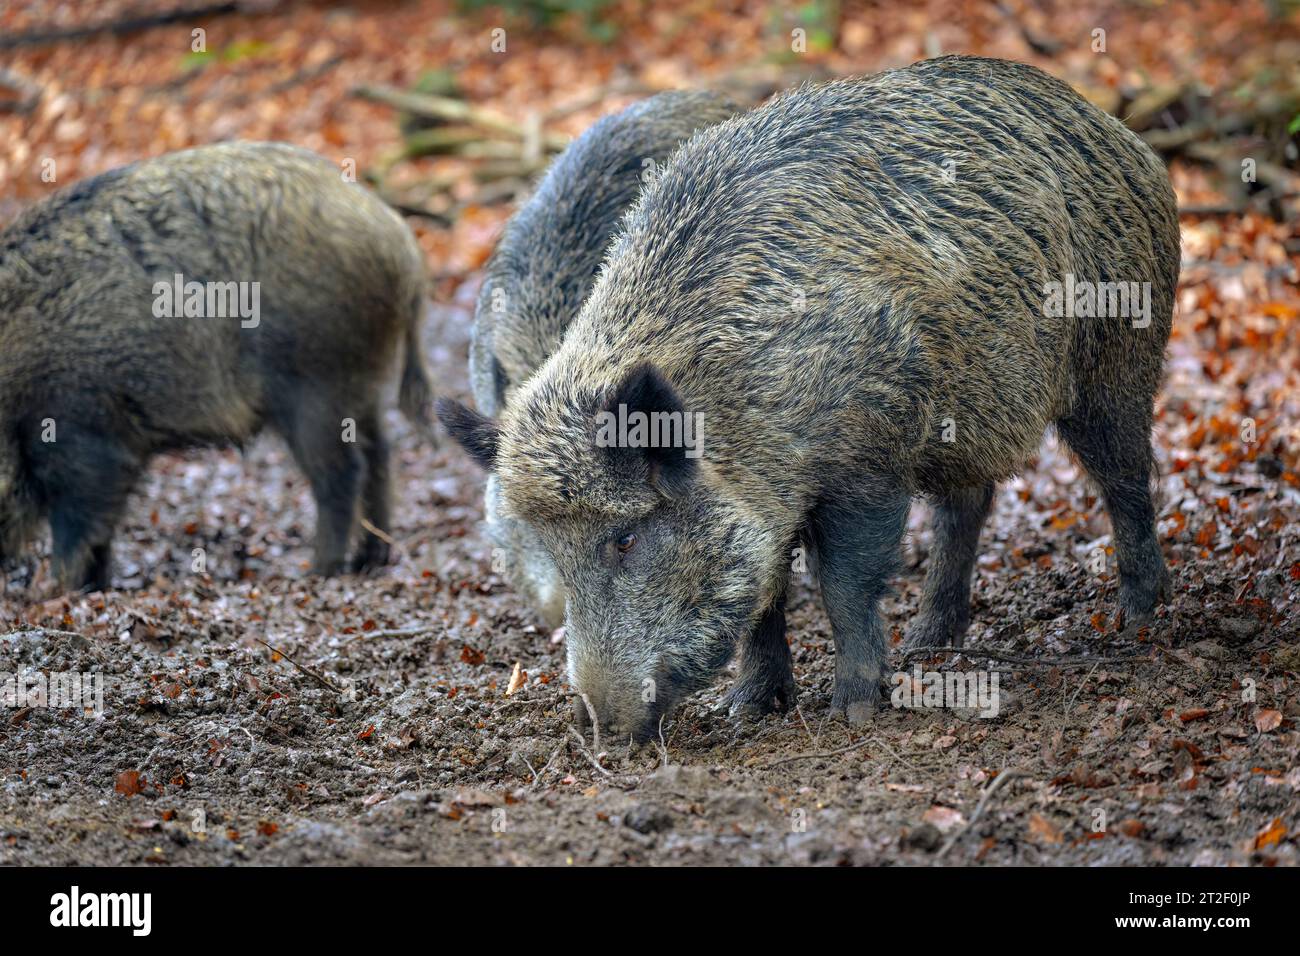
column 619, row 712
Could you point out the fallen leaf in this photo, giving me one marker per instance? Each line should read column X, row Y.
column 1042, row 831
column 943, row 818
column 518, row 678
column 1271, row 835
column 1267, row 720
column 129, row 783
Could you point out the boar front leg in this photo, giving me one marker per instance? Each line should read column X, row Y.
column 858, row 538
column 945, row 596
column 766, row 681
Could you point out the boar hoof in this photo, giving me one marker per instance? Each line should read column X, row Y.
column 1138, row 598
column 751, row 700
column 932, row 632
column 856, row 714
column 374, row 554
column 327, row 569
column 856, row 708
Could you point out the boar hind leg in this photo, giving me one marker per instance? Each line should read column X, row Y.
column 945, row 597
column 86, row 478
column 1114, row 446
column 766, row 681
column 376, row 497
column 80, row 561
column 326, row 450
column 858, row 544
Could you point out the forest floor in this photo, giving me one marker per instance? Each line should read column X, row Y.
column 254, row 714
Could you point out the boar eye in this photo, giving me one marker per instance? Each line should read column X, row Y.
column 626, row 542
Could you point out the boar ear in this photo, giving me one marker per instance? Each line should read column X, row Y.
column 645, row 390
column 476, row 433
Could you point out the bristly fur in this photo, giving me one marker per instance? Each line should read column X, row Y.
column 341, row 283
column 544, row 268
column 836, row 281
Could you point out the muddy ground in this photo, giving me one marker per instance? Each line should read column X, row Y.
column 380, row 731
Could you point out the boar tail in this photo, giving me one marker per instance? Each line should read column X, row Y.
column 415, row 394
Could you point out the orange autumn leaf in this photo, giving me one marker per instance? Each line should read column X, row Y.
column 1042, row 830
column 1271, row 835
column 129, row 783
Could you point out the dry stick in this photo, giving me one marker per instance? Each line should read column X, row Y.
column 587, row 753
column 827, row 753
column 379, row 533
column 542, row 773
column 1083, row 683
column 1029, row 661
column 992, row 788
column 517, row 756
column 907, row 763
column 595, row 724
column 453, row 110
column 799, row 712
column 399, row 632
column 384, row 536
column 306, row 670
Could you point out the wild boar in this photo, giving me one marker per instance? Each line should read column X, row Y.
column 542, row 270
column 857, row 295
column 190, row 300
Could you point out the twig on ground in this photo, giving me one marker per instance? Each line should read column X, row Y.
column 591, row 758
column 547, row 766
column 525, row 762
column 663, row 747
column 595, row 724
column 1003, row 777
column 394, row 632
column 806, row 729
column 306, row 670
column 825, row 753
column 379, row 533
column 1082, row 684
column 1028, row 661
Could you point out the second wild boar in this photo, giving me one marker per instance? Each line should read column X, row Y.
column 191, row 300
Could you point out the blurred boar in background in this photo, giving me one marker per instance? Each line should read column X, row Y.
column 543, row 269
column 858, row 293
column 191, row 300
